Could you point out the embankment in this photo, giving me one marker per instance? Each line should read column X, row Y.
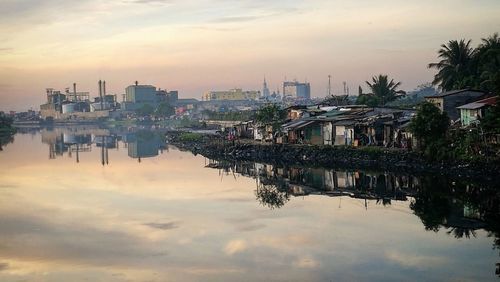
column 372, row 158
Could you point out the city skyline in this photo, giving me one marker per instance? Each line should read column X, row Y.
column 197, row 46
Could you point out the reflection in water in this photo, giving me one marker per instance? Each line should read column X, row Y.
column 73, row 141
column 168, row 218
column 461, row 208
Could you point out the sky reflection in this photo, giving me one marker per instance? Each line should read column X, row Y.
column 170, row 218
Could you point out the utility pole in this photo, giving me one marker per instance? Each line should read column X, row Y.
column 329, row 85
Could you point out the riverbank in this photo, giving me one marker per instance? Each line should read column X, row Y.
column 373, row 158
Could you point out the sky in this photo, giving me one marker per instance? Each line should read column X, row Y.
column 194, row 46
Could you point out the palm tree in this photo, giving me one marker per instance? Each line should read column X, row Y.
column 455, row 65
column 383, row 89
column 493, row 41
column 488, row 64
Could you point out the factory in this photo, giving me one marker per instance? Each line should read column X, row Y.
column 75, row 105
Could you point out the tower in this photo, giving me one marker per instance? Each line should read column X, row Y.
column 265, row 89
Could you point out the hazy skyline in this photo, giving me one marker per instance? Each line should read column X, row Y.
column 196, row 46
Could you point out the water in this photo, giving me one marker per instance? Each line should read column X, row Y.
column 87, row 204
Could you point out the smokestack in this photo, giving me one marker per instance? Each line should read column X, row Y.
column 100, row 92
column 136, row 83
column 74, row 90
column 103, row 93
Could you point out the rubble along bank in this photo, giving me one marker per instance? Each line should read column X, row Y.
column 371, row 158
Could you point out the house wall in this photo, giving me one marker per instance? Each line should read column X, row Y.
column 314, row 134
column 343, row 135
column 328, row 138
column 438, row 102
column 468, row 116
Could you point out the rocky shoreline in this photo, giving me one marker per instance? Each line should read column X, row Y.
column 378, row 159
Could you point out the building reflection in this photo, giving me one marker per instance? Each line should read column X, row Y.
column 299, row 181
column 461, row 208
column 72, row 142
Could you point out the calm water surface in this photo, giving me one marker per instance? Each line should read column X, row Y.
column 86, row 204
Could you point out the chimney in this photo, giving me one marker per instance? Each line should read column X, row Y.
column 136, row 83
column 100, row 92
column 104, row 88
column 74, row 90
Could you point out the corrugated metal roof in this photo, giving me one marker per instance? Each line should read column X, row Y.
column 448, row 93
column 479, row 104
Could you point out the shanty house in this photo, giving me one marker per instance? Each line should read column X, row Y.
column 449, row 101
column 471, row 113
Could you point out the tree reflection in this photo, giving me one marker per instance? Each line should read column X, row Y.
column 5, row 139
column 430, row 205
column 269, row 195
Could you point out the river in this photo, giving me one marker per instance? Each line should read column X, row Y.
column 93, row 204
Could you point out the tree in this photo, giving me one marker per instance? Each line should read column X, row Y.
column 270, row 113
column 430, row 126
column 454, row 69
column 5, row 121
column 368, row 99
column 383, row 89
column 491, row 121
column 145, row 110
column 164, row 109
column 487, row 62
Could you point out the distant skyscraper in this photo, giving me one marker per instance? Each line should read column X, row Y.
column 298, row 90
column 265, row 89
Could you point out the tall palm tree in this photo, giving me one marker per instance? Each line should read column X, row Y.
column 383, row 89
column 455, row 65
column 488, row 64
column 493, row 41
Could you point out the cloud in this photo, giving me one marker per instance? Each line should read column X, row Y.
column 3, row 266
column 162, row 226
column 237, row 19
column 250, row 227
column 415, row 260
column 306, row 262
column 235, row 246
column 161, row 2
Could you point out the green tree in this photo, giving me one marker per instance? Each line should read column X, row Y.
column 145, row 110
column 487, row 62
column 6, row 130
column 383, row 89
column 454, row 69
column 491, row 121
column 270, row 113
column 430, row 126
column 164, row 109
column 368, row 99
column 5, row 121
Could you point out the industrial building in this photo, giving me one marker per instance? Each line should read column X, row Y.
column 138, row 95
column 77, row 105
column 232, row 95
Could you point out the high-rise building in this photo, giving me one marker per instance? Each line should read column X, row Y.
column 265, row 90
column 297, row 90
